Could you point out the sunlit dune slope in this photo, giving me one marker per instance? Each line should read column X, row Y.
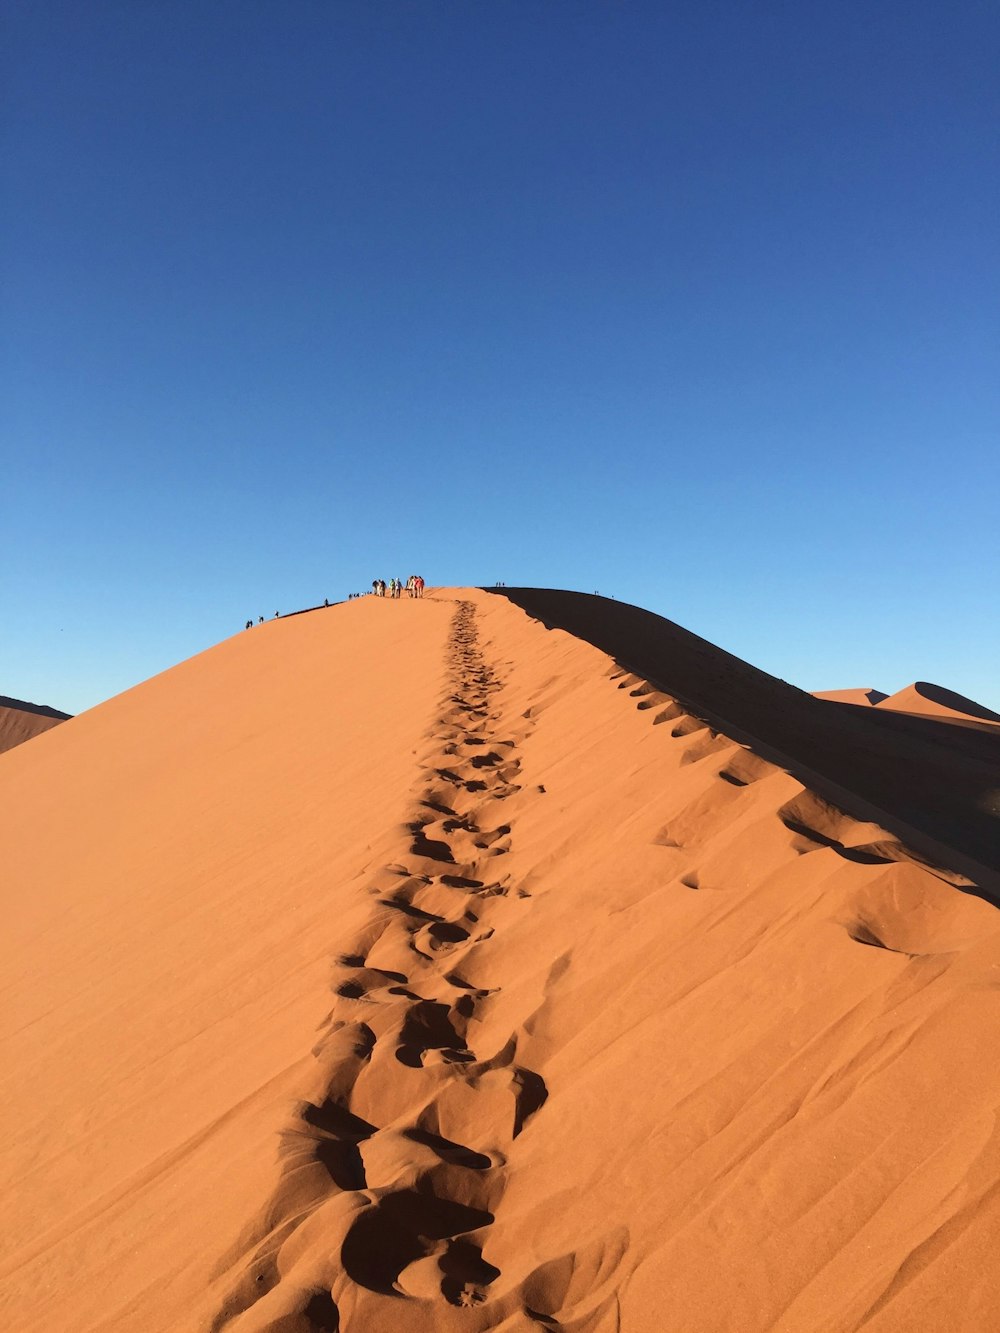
column 935, row 701
column 20, row 721
column 866, row 697
column 179, row 865
column 414, row 965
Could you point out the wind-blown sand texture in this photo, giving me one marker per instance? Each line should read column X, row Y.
column 486, row 962
column 19, row 721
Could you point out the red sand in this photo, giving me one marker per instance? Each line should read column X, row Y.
column 409, row 965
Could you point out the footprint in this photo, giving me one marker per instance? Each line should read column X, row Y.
column 322, row 1313
column 672, row 711
column 428, row 1026
column 439, row 937
column 430, row 849
column 745, row 768
column 331, row 1134
column 818, row 824
column 651, row 701
column 466, row 1274
column 530, row 1096
column 397, row 1231
column 705, row 745
column 368, row 979
column 461, row 882
column 687, row 725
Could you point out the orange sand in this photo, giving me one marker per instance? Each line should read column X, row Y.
column 409, row 965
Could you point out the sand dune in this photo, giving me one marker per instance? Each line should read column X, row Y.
column 920, row 699
column 928, row 700
column 20, row 721
column 865, row 696
column 449, row 965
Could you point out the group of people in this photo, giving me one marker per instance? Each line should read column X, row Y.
column 277, row 616
column 414, row 587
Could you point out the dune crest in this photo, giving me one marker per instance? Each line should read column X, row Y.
column 501, row 987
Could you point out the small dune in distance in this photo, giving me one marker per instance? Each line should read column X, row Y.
column 504, row 959
column 921, row 698
column 19, row 721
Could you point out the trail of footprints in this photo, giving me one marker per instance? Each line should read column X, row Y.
column 385, row 1160
column 405, row 1198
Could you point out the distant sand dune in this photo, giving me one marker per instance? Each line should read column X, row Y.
column 921, row 700
column 425, row 965
column 20, row 721
column 861, row 696
column 935, row 701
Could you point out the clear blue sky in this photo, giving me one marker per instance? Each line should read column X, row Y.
column 696, row 303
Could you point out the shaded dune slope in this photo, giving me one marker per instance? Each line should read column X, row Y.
column 20, row 721
column 415, row 966
column 938, row 787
